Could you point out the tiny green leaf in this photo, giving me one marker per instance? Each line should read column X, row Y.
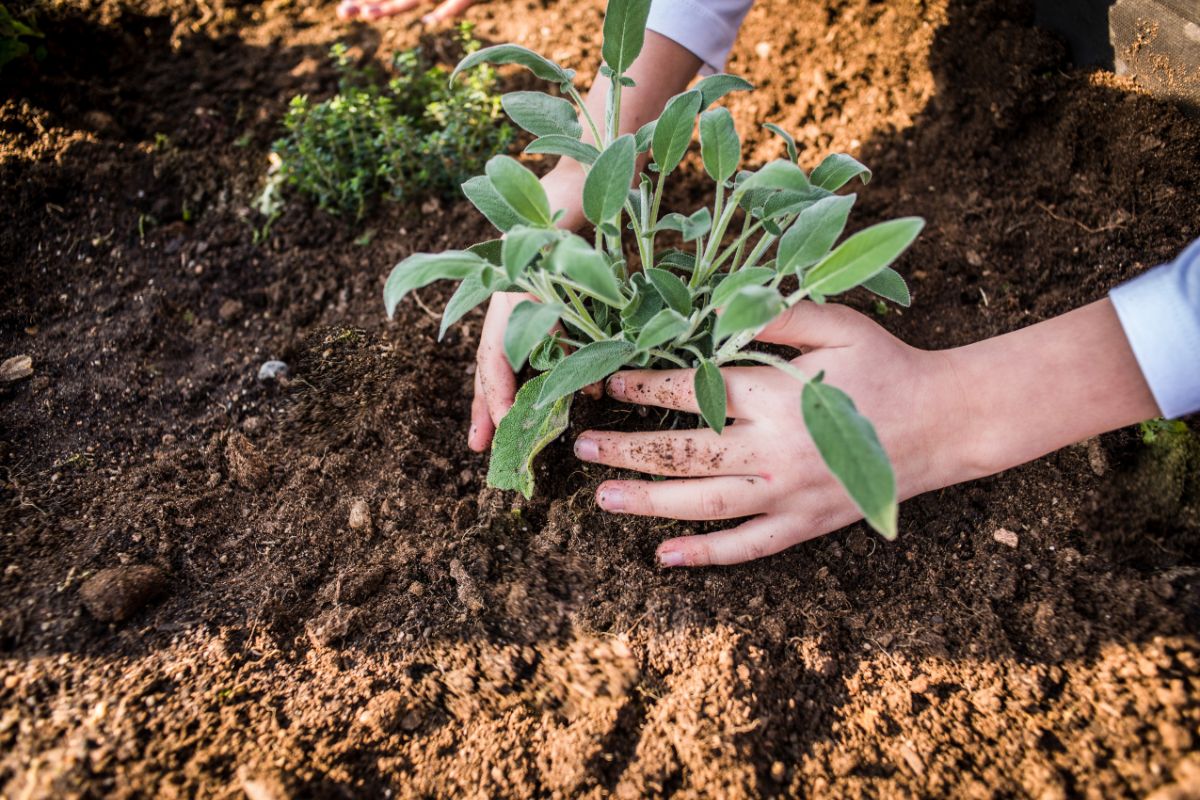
column 586, row 365
column 522, row 434
column 890, row 285
column 837, row 170
column 558, row 145
column 423, row 269
column 662, row 327
column 813, row 233
column 470, row 293
column 677, row 259
column 750, row 307
column 692, row 227
column 645, row 303
column 673, row 132
column 521, row 246
column 607, row 183
column 624, row 32
column 483, row 195
column 862, row 256
column 749, row 276
column 709, row 385
column 720, row 146
column 714, row 87
column 788, row 141
column 546, row 353
column 529, row 323
column 514, row 54
column 851, row 449
column 542, row 114
column 672, row 290
column 520, row 188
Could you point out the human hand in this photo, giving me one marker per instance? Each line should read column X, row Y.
column 765, row 465
column 377, row 9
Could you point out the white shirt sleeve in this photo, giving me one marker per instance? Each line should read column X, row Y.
column 705, row 27
column 1160, row 312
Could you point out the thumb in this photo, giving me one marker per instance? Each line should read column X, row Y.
column 808, row 325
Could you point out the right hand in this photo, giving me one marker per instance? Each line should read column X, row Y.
column 495, row 383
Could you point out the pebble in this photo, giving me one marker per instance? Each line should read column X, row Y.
column 115, row 594
column 246, row 465
column 273, row 371
column 360, row 516
column 1006, row 537
column 16, row 368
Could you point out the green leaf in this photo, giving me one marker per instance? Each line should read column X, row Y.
column 709, row 386
column 788, row 141
column 662, row 327
column 558, row 145
column 470, row 293
column 586, row 365
column 491, row 251
column 520, row 188
column 862, row 256
column 645, row 135
column 672, row 290
column 546, row 353
column 837, row 170
column 677, row 259
column 483, row 195
column 521, row 246
column 890, row 285
column 423, row 269
column 589, row 268
column 692, row 227
column 529, row 323
column 813, row 233
column 778, row 174
column 673, row 133
column 785, row 202
column 719, row 144
column 732, row 284
column 522, row 434
column 645, row 303
column 714, row 87
column 542, row 114
column 851, row 449
column 750, row 307
column 624, row 32
column 607, row 183
column 514, row 54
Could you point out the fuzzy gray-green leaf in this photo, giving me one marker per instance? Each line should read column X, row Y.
column 749, row 308
column 720, row 146
column 483, row 195
column 777, row 174
column 709, row 386
column 515, row 54
column 470, row 293
column 423, row 269
column 529, row 323
column 607, row 183
column 522, row 434
column 522, row 245
column 673, row 133
column 862, row 256
column 889, row 284
column 542, row 114
column 586, row 365
column 673, row 290
column 520, row 188
column 713, row 87
column 558, row 145
column 662, row 327
column 837, row 170
column 788, row 141
column 590, row 269
column 624, row 32
column 813, row 233
column 732, row 284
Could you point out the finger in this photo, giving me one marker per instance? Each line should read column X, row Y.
column 594, row 390
column 691, row 453
column 482, row 427
column 675, row 388
column 348, row 9
column 388, row 8
column 447, row 10
column 698, row 499
column 761, row 536
column 496, row 376
column 808, row 324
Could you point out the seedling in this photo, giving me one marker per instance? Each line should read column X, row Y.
column 658, row 308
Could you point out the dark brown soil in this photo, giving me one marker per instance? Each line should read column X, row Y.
column 348, row 612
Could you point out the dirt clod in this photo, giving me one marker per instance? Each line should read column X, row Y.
column 117, row 593
column 246, row 464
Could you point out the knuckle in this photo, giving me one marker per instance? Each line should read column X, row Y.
column 713, row 505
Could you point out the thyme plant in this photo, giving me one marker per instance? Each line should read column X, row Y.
column 597, row 310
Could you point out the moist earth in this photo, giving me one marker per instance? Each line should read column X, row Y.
column 215, row 586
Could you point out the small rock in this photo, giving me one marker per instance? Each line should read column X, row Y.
column 247, row 467
column 360, row 516
column 763, row 49
column 416, row 588
column 230, row 310
column 778, row 771
column 16, row 368
column 115, row 594
column 1006, row 537
column 1097, row 458
column 273, row 371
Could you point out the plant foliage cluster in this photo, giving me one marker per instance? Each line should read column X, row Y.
column 417, row 134
column 660, row 307
column 19, row 37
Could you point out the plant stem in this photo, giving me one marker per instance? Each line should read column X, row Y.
column 781, row 364
column 587, row 116
column 664, row 355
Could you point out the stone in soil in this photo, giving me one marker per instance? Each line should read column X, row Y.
column 116, row 594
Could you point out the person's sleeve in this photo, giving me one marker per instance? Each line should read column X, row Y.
column 1160, row 312
column 707, row 28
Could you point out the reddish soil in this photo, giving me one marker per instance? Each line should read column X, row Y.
column 329, row 603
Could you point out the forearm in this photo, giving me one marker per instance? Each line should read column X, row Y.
column 1027, row 393
column 663, row 69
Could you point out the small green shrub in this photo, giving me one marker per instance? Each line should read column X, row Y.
column 415, row 135
column 18, row 37
column 661, row 311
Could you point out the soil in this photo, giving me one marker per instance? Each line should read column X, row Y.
column 319, row 596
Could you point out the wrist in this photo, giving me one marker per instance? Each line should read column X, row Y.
column 564, row 188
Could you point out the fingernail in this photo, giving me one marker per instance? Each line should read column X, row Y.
column 430, row 19
column 587, row 449
column 616, row 386
column 670, row 558
column 612, row 499
column 471, row 433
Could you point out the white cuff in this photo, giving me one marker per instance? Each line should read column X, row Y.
column 707, row 28
column 1160, row 312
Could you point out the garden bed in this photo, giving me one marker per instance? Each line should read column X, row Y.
column 1031, row 634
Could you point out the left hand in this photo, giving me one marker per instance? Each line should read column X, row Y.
column 377, row 9
column 764, row 465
